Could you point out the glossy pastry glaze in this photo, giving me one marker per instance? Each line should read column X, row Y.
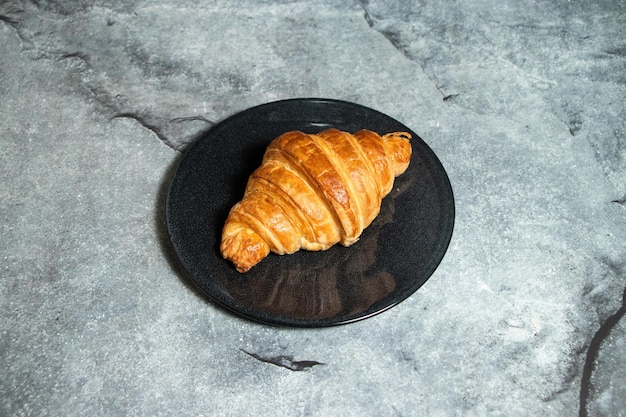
column 313, row 191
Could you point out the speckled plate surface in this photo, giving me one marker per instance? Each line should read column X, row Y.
column 395, row 256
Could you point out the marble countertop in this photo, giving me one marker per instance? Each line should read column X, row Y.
column 523, row 103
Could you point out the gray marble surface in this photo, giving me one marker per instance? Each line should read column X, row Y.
column 523, row 102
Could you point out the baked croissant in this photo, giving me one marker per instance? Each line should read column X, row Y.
column 312, row 192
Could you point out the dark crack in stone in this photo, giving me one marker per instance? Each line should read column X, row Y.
column 285, row 361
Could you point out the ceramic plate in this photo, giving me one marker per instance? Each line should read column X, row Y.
column 395, row 256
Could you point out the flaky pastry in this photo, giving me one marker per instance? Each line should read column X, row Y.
column 313, row 191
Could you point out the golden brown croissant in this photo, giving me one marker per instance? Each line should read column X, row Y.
column 313, row 191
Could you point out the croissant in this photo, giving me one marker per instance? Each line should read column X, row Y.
column 313, row 191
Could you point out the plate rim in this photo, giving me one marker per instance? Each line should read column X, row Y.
column 282, row 321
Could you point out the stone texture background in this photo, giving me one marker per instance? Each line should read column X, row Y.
column 524, row 103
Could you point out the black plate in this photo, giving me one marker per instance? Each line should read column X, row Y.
column 396, row 254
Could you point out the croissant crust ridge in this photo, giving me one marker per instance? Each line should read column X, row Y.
column 313, row 191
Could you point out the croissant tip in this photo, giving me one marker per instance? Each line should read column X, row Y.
column 242, row 269
column 398, row 135
column 244, row 248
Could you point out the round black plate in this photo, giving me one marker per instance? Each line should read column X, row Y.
column 396, row 254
